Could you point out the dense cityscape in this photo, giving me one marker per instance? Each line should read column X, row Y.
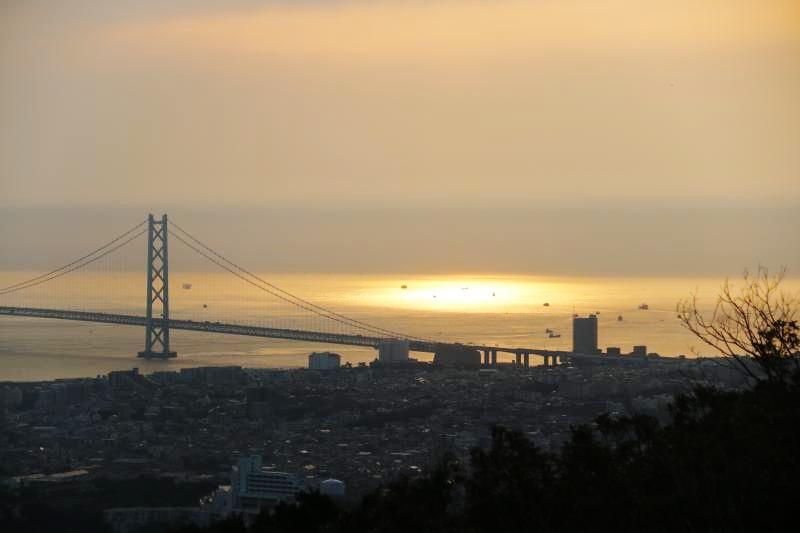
column 356, row 426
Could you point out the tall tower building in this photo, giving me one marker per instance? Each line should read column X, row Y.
column 584, row 335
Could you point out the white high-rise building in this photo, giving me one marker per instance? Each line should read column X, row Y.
column 254, row 486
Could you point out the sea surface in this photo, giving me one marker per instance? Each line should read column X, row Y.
column 499, row 310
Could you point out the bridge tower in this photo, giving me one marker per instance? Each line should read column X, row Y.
column 156, row 344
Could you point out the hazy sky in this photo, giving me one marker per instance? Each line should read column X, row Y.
column 458, row 106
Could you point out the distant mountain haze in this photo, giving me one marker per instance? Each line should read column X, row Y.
column 597, row 241
column 584, row 137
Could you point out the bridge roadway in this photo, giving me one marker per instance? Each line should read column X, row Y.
column 277, row 333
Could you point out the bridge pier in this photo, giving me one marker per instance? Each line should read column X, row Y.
column 552, row 360
column 522, row 359
column 489, row 358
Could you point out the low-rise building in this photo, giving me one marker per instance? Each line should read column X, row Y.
column 125, row 519
column 324, row 360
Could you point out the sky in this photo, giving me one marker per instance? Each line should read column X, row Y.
column 594, row 137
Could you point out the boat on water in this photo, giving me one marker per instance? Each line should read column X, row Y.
column 186, row 286
column 553, row 335
column 403, row 286
column 619, row 318
column 546, row 304
column 644, row 306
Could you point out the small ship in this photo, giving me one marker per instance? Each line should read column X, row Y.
column 552, row 334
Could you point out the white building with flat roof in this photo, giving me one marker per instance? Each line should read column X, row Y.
column 254, row 487
column 393, row 351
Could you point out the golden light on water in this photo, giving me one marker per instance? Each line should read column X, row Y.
column 472, row 294
column 530, row 294
column 503, row 310
column 458, row 294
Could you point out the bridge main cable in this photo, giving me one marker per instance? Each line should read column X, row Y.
column 79, row 263
column 285, row 295
column 283, row 298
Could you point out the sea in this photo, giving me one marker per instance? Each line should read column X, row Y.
column 503, row 310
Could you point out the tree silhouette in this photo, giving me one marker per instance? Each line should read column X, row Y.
column 758, row 323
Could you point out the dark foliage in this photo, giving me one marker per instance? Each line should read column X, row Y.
column 78, row 508
column 232, row 524
column 313, row 514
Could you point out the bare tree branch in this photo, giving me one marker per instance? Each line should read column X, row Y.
column 756, row 324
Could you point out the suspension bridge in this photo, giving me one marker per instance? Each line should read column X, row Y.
column 288, row 316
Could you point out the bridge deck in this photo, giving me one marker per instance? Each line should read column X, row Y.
column 258, row 331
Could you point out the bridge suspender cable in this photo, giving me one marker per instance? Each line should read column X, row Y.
column 81, row 262
column 301, row 303
column 285, row 295
column 297, row 301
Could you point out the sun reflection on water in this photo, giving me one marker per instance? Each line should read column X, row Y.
column 468, row 294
